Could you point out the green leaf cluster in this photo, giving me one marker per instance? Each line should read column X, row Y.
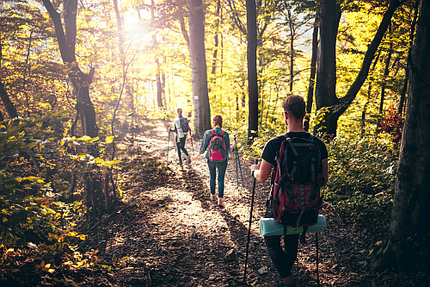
column 361, row 182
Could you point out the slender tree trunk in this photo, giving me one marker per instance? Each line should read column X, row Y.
column 292, row 34
column 157, row 63
column 8, row 105
column 159, row 86
column 198, row 68
column 386, row 72
column 216, row 44
column 24, row 80
column 183, row 27
column 363, row 113
column 406, row 80
column 310, row 97
column 406, row 248
column 251, row 16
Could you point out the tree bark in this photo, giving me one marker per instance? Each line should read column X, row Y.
column 311, row 87
column 216, row 44
column 199, row 82
column 325, row 94
column 386, row 72
column 406, row 80
column 406, row 248
column 251, row 16
column 292, row 34
column 8, row 105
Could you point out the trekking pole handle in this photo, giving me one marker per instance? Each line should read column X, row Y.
column 256, row 162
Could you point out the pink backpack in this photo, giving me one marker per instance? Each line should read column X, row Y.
column 217, row 148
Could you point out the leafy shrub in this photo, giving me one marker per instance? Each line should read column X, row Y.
column 361, row 182
column 392, row 124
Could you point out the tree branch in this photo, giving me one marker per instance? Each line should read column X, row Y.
column 364, row 71
column 61, row 37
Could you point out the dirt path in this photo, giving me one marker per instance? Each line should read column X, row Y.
column 169, row 233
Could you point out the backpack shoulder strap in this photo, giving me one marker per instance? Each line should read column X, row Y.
column 290, row 143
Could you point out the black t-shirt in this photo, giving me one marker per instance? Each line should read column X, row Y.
column 273, row 146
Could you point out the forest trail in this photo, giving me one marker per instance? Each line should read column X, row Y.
column 169, row 232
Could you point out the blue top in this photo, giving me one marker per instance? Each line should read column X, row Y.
column 207, row 139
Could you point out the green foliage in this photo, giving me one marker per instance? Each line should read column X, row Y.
column 361, row 182
column 30, row 209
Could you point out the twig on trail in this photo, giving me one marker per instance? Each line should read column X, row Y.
column 110, row 216
column 149, row 276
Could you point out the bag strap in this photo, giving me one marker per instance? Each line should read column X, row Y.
column 218, row 134
column 290, row 142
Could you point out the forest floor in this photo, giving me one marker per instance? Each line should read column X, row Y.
column 167, row 231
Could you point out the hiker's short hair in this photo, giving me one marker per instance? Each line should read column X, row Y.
column 179, row 111
column 217, row 121
column 294, row 106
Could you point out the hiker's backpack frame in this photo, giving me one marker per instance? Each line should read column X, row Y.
column 217, row 147
column 295, row 197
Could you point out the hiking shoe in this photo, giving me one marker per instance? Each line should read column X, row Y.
column 188, row 160
column 221, row 202
column 287, row 284
column 213, row 197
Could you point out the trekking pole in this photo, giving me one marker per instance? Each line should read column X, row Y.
column 238, row 164
column 249, row 227
column 316, row 246
column 168, row 141
column 236, row 155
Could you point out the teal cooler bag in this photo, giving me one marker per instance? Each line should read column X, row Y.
column 270, row 227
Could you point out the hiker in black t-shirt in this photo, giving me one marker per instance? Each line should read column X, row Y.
column 294, row 112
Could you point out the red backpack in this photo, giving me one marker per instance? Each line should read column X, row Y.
column 295, row 196
column 217, row 147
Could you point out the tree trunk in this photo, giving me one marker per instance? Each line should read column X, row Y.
column 8, row 105
column 215, row 53
column 325, row 94
column 81, row 81
column 406, row 80
column 159, row 86
column 251, row 16
column 292, row 33
column 407, row 246
column 386, row 72
column 310, row 97
column 326, row 99
column 199, row 82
